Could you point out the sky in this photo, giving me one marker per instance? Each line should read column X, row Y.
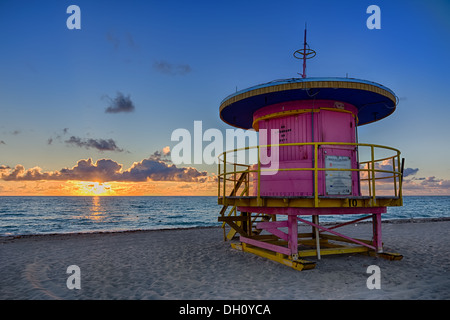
column 92, row 110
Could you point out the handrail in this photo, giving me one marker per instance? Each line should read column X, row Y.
column 367, row 167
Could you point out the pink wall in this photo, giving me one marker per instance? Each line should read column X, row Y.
column 329, row 126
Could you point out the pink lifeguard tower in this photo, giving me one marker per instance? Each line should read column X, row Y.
column 317, row 167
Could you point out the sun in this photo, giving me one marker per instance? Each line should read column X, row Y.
column 94, row 188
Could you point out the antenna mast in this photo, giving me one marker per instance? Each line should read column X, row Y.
column 305, row 53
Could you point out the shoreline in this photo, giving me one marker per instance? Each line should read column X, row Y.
column 23, row 236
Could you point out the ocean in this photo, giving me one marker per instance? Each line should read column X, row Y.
column 49, row 215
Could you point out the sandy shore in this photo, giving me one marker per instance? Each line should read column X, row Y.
column 197, row 264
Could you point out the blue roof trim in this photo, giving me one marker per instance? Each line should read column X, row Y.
column 298, row 80
column 371, row 106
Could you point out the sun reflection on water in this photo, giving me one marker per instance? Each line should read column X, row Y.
column 97, row 211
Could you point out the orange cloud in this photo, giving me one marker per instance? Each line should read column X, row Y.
column 156, row 168
column 155, row 175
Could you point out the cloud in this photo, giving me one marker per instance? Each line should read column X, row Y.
column 158, row 167
column 387, row 166
column 99, row 144
column 157, row 170
column 101, row 170
column 427, row 185
column 130, row 40
column 168, row 68
column 161, row 155
column 84, row 170
column 2, row 142
column 431, row 182
column 409, row 172
column 154, row 168
column 58, row 136
column 411, row 184
column 112, row 38
column 120, row 104
column 115, row 40
column 19, row 173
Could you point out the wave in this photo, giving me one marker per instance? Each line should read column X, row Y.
column 43, row 215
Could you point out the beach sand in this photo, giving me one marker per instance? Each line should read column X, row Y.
column 198, row 264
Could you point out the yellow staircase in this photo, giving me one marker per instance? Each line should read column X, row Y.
column 242, row 223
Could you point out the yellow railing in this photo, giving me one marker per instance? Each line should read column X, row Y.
column 371, row 170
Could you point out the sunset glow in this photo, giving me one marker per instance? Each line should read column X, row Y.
column 88, row 188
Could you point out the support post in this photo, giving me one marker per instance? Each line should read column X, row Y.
column 245, row 224
column 293, row 235
column 316, row 177
column 315, row 219
column 374, row 200
column 376, row 223
column 225, row 179
column 258, row 194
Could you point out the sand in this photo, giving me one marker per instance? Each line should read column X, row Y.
column 197, row 264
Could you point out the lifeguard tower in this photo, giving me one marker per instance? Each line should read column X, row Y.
column 308, row 130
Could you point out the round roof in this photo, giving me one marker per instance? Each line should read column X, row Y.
column 374, row 101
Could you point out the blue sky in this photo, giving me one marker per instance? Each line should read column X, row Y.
column 176, row 60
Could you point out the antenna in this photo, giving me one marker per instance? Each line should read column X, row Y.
column 305, row 53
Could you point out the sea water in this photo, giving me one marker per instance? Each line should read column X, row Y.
column 44, row 215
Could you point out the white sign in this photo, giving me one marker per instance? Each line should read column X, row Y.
column 338, row 182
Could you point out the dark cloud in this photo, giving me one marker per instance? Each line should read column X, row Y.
column 165, row 67
column 387, row 166
column 155, row 168
column 2, row 142
column 102, row 170
column 120, row 104
column 99, row 144
column 409, row 172
column 161, row 155
column 158, row 167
